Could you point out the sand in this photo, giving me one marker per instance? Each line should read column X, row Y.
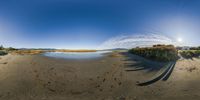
column 36, row 77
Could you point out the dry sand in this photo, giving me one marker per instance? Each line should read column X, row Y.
column 36, row 77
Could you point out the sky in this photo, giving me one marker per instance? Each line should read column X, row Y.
column 86, row 24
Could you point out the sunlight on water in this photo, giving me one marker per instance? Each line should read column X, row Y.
column 76, row 55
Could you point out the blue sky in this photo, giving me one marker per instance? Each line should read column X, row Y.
column 74, row 24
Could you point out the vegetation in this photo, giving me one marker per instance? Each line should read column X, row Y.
column 38, row 51
column 11, row 49
column 190, row 53
column 7, row 49
column 195, row 48
column 25, row 52
column 157, row 52
column 33, row 51
column 1, row 47
column 2, row 52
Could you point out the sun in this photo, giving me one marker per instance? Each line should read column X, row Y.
column 179, row 39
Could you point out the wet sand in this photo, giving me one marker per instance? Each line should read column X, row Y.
column 36, row 77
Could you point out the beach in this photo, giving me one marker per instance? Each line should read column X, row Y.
column 37, row 77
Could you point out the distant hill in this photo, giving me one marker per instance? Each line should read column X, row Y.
column 37, row 49
column 114, row 49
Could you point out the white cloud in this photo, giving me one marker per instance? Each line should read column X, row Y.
column 131, row 41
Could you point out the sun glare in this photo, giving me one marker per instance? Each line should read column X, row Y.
column 179, row 39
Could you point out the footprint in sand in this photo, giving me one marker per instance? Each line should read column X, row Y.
column 91, row 79
column 37, row 75
column 4, row 63
column 52, row 90
column 104, row 80
column 120, row 83
column 111, row 86
column 49, row 82
column 35, row 71
column 98, row 86
column 115, row 79
column 122, row 98
column 52, row 68
column 100, row 89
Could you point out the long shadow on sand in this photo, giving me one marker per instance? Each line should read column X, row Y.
column 137, row 63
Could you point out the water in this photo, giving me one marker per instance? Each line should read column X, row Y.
column 76, row 55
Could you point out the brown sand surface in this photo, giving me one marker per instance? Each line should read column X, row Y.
column 36, row 77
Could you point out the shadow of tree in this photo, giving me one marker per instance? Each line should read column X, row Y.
column 137, row 63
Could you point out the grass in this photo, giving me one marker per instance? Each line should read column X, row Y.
column 10, row 49
column 25, row 52
column 189, row 53
column 5, row 51
column 157, row 52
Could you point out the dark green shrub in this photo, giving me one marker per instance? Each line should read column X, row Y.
column 3, row 53
column 1, row 47
column 157, row 52
column 11, row 49
column 190, row 53
column 195, row 48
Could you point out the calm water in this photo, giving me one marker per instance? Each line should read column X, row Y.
column 76, row 55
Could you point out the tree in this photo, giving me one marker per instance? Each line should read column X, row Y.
column 1, row 47
column 11, row 49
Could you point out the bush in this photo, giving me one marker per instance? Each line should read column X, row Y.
column 157, row 52
column 195, row 48
column 27, row 52
column 11, row 49
column 1, row 47
column 190, row 53
column 3, row 53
